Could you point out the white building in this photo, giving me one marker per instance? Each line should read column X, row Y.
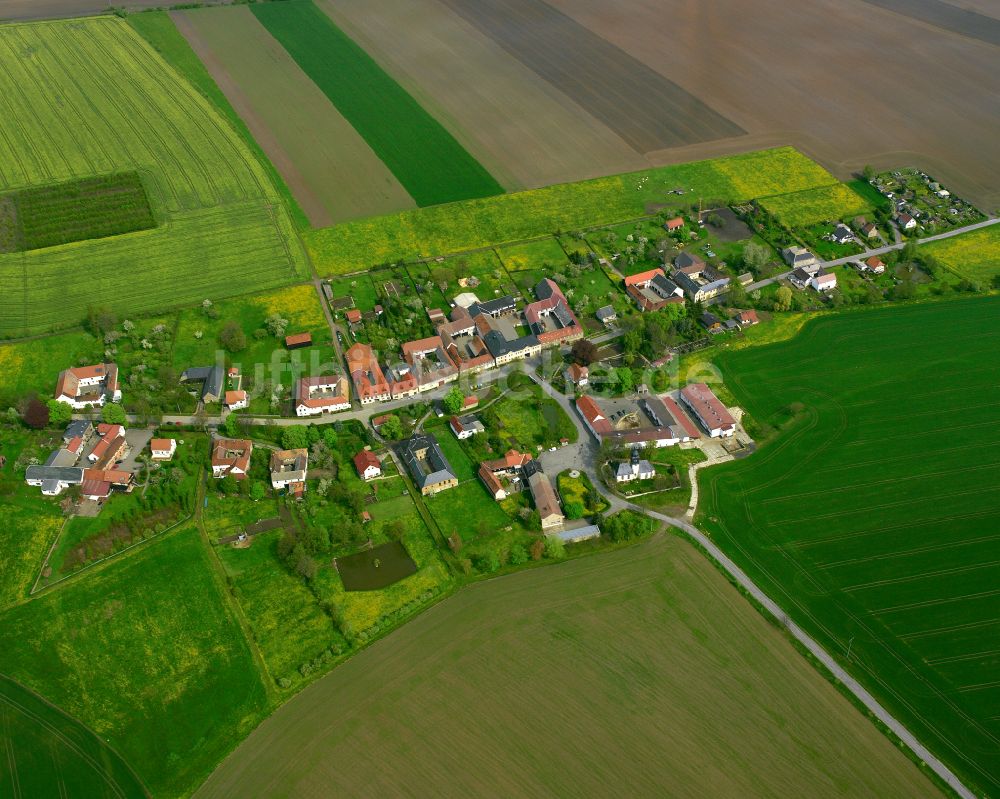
column 163, row 449
column 823, row 281
column 635, row 469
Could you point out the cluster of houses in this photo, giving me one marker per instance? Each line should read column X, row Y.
column 88, row 457
column 692, row 278
column 807, row 271
column 217, row 384
column 84, row 387
column 517, row 471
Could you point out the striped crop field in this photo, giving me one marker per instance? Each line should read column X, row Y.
column 425, row 158
column 88, row 98
column 874, row 515
column 489, row 221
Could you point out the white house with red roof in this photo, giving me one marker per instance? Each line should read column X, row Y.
column 86, row 386
column 823, row 281
column 163, row 449
column 324, row 394
column 709, row 410
column 368, row 465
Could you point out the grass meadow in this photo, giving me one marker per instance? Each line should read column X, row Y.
column 51, row 754
column 430, row 163
column 221, row 224
column 974, row 256
column 146, row 654
column 641, row 672
column 811, row 206
column 485, row 222
column 873, row 515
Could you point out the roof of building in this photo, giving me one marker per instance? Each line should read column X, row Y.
column 493, row 484
column 212, row 378
column 673, row 224
column 440, row 470
column 289, row 464
column 232, row 453
column 232, row 397
column 686, row 260
column 78, row 429
column 592, row 412
column 63, row 474
column 874, row 262
column 605, row 312
column 801, row 275
column 365, row 459
column 748, row 317
column 708, row 407
column 546, row 288
column 499, row 305
column 298, row 339
column 643, row 277
column 353, row 315
column 161, row 444
column 546, row 501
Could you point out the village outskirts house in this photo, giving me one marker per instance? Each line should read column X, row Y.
column 289, row 469
column 162, row 449
column 236, row 400
column 427, row 464
column 83, row 387
column 577, row 375
column 231, row 457
column 823, row 281
column 466, row 426
column 800, row 258
column 708, row 410
column 314, row 396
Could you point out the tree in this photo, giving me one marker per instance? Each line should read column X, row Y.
column 574, row 509
column 228, row 485
column 295, row 437
column 537, row 549
column 737, row 294
column 756, row 256
column 583, row 352
column 555, row 547
column 455, row 542
column 59, row 412
column 454, row 400
column 392, row 428
column 783, row 299
column 36, row 413
column 232, row 337
column 257, row 491
column 868, row 172
column 113, row 413
column 100, row 320
column 623, row 376
column 276, row 325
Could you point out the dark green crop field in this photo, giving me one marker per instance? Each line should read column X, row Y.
column 432, row 166
column 77, row 210
column 50, row 754
column 874, row 515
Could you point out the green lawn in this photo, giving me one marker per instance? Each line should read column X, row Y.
column 525, row 418
column 467, row 510
column 873, row 515
column 51, row 754
column 974, row 256
column 491, row 221
column 145, row 653
column 837, row 202
column 427, row 160
column 287, row 622
column 463, row 468
column 542, row 254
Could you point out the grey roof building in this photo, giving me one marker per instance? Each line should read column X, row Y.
column 427, row 464
column 606, row 314
column 212, row 379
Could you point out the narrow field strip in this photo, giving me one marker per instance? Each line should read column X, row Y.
column 968, row 656
column 427, row 160
column 921, row 576
column 975, row 625
column 932, row 603
column 906, row 553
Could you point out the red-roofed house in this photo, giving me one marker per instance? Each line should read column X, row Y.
column 323, row 394
column 231, row 456
column 369, row 382
column 593, row 416
column 235, row 400
column 674, row 224
column 298, row 340
column 85, row 386
column 875, row 265
column 353, row 316
column 367, row 464
column 163, row 449
column 713, row 415
column 577, row 375
column 747, row 318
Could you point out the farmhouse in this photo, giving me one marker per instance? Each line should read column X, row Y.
column 369, row 382
column 674, row 224
column 550, row 318
column 747, row 318
column 842, row 234
column 635, row 468
column 97, row 484
column 317, row 395
column 298, row 340
column 163, row 449
column 874, row 264
column 402, row 383
column 708, row 410
column 86, row 386
column 289, row 468
column 368, row 465
column 494, row 308
column 427, row 464
column 466, row 426
column 505, row 476
column 577, row 375
column 699, row 281
column 211, row 378
column 53, row 479
column 800, row 278
column 869, row 230
column 546, row 501
column 800, row 258
column 906, row 222
column 430, row 363
column 231, row 456
column 651, row 420
column 110, row 448
column 652, row 290
column 823, row 281
column 236, row 400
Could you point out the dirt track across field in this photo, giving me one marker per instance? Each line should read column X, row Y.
column 846, row 82
column 641, row 672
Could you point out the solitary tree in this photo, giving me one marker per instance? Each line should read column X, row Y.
column 584, row 352
column 454, row 400
column 232, row 337
column 59, row 412
column 113, row 413
column 36, row 413
column 783, row 299
column 392, row 428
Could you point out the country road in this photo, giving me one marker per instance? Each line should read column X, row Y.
column 580, row 456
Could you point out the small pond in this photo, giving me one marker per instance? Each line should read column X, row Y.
column 376, row 568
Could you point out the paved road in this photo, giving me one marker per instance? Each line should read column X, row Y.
column 573, row 457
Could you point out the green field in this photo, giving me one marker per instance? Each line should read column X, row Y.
column 51, row 754
column 974, row 256
column 836, row 202
column 485, row 222
column 641, row 672
column 467, row 510
column 77, row 210
column 426, row 159
column 88, row 98
column 873, row 516
column 145, row 653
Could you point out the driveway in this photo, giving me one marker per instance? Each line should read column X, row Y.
column 137, row 439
